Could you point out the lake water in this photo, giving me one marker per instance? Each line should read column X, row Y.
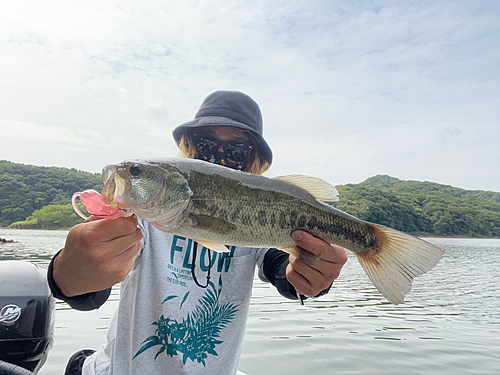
column 448, row 324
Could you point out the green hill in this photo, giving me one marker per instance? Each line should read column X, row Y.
column 38, row 197
column 26, row 188
column 423, row 207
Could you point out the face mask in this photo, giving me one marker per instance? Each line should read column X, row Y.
column 220, row 158
column 234, row 156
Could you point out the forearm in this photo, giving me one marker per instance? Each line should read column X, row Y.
column 84, row 302
column 274, row 269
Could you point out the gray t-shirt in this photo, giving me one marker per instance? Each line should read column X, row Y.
column 166, row 324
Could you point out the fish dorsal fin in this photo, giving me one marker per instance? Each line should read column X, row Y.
column 214, row 246
column 319, row 189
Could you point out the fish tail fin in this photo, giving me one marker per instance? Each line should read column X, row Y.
column 396, row 261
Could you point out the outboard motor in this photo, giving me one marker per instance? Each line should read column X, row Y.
column 26, row 317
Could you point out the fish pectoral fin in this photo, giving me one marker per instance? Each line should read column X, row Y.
column 214, row 246
column 213, row 224
column 303, row 255
column 316, row 187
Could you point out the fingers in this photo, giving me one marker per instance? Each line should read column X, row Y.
column 320, row 248
column 102, row 238
column 116, row 269
column 299, row 282
column 107, row 230
column 122, row 244
column 308, row 280
column 98, row 253
column 108, row 239
column 311, row 280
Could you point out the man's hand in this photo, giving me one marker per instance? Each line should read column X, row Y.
column 98, row 254
column 310, row 281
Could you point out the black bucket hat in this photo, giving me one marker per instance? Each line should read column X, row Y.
column 229, row 108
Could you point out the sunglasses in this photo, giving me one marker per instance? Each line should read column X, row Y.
column 207, row 145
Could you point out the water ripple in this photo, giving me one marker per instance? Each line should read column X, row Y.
column 448, row 324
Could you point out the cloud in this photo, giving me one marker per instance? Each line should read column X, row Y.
column 450, row 132
column 347, row 89
column 16, row 131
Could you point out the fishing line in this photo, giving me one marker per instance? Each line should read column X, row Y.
column 336, row 288
column 195, row 249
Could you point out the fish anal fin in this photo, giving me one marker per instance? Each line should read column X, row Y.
column 214, row 246
column 304, row 255
column 316, row 187
column 397, row 260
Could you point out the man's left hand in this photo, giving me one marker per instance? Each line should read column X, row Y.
column 308, row 280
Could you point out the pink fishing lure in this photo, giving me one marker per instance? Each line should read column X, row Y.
column 95, row 206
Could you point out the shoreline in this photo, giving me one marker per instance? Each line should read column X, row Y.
column 456, row 236
column 419, row 235
column 35, row 228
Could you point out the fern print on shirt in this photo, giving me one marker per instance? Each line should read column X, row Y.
column 197, row 336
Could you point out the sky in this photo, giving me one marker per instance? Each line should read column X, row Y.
column 348, row 89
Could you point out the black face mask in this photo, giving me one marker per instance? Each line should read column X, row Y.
column 234, row 156
column 219, row 157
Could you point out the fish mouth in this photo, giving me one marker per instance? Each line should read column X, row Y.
column 114, row 187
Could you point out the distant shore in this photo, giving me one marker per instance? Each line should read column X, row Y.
column 420, row 235
column 458, row 237
column 35, row 228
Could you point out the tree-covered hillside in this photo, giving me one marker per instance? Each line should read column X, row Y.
column 26, row 188
column 423, row 207
column 39, row 194
column 53, row 216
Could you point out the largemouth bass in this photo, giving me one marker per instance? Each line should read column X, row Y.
column 217, row 206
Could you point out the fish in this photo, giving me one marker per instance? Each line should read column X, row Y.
column 217, row 206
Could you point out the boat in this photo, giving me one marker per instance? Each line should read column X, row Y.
column 26, row 318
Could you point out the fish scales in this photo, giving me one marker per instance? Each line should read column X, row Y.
column 215, row 205
column 267, row 217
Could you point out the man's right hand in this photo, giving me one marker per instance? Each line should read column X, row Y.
column 98, row 254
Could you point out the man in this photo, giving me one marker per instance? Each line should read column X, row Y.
column 169, row 319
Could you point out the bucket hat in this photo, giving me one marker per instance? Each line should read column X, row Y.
column 229, row 108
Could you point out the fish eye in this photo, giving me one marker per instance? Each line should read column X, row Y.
column 135, row 170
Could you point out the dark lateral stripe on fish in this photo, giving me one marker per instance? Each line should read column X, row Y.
column 262, row 218
column 290, row 219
